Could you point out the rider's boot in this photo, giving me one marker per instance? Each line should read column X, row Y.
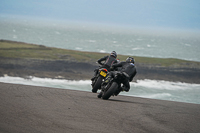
column 117, row 92
column 93, row 78
column 100, row 94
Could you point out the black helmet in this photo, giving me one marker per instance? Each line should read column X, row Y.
column 114, row 54
column 130, row 60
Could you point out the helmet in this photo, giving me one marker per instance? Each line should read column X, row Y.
column 114, row 54
column 130, row 60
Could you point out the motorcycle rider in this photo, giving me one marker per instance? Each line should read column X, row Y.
column 129, row 68
column 109, row 60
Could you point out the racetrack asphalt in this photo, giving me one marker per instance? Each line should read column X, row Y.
column 33, row 109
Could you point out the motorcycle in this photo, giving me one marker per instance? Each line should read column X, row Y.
column 113, row 86
column 96, row 83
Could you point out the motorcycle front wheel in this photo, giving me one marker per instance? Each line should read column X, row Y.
column 97, row 85
column 110, row 91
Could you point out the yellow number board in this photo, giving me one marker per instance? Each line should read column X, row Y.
column 103, row 74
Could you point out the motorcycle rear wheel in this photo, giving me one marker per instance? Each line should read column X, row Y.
column 97, row 85
column 110, row 91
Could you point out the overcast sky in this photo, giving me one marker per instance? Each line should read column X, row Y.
column 180, row 14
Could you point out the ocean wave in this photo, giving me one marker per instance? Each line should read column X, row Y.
column 165, row 85
column 146, row 83
column 155, row 89
column 48, row 82
column 137, row 48
column 153, row 96
column 102, row 51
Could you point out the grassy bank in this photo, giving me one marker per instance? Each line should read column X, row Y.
column 11, row 49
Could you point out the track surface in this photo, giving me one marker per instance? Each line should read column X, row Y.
column 29, row 109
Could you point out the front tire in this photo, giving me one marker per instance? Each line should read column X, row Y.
column 110, row 91
column 97, row 85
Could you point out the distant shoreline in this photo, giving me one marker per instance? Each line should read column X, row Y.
column 82, row 68
column 84, row 71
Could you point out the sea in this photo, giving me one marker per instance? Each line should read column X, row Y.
column 160, row 43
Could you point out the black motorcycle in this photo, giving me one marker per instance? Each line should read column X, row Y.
column 113, row 86
column 96, row 83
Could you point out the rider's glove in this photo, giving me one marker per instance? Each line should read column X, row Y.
column 111, row 68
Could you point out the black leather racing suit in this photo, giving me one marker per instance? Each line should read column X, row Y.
column 128, row 68
column 108, row 62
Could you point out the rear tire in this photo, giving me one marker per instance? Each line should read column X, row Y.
column 110, row 91
column 97, row 85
